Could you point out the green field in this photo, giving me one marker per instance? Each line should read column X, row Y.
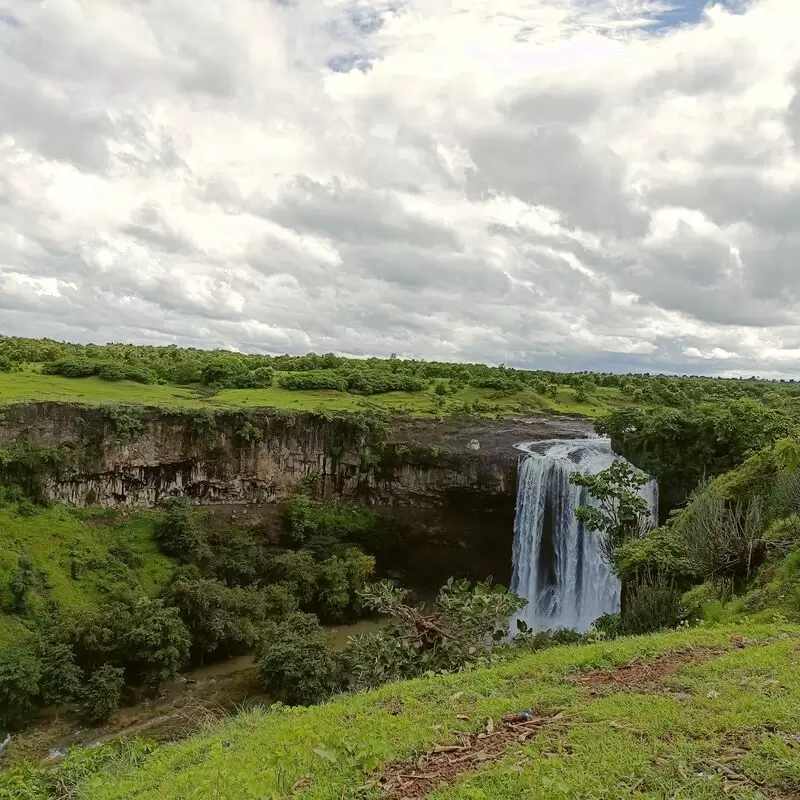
column 30, row 385
column 718, row 723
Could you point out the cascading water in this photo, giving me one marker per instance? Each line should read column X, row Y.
column 558, row 566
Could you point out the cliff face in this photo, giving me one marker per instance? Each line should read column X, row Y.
column 451, row 485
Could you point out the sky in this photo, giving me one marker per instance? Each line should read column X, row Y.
column 555, row 184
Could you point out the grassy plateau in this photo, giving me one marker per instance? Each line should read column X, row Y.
column 30, row 385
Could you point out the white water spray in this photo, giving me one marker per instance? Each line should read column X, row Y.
column 558, row 566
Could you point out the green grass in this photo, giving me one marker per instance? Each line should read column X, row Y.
column 30, row 385
column 54, row 538
column 664, row 743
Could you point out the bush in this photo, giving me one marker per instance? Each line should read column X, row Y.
column 723, row 540
column 61, row 677
column 222, row 620
column 179, row 534
column 379, row 381
column 465, row 624
column 111, row 372
column 239, row 560
column 153, row 641
column 6, row 364
column 651, row 605
column 103, row 693
column 20, row 674
column 143, row 637
column 78, row 367
column 318, row 379
column 22, row 580
column 298, row 664
column 698, row 599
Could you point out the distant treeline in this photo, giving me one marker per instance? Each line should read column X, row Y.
column 221, row 369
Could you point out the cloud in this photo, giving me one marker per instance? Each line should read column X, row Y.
column 570, row 184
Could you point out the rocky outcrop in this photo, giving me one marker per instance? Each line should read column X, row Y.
column 452, row 480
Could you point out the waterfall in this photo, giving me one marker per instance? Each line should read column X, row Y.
column 558, row 566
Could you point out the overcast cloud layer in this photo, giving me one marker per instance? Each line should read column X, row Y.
column 565, row 184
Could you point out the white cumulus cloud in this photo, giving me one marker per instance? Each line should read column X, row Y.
column 568, row 184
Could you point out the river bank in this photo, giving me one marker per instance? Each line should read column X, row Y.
column 183, row 706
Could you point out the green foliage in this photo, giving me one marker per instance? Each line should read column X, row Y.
column 298, row 664
column 103, row 693
column 27, row 781
column 61, row 677
column 143, row 637
column 23, row 579
column 238, row 559
column 683, row 446
column 464, row 626
column 328, row 587
column 723, row 539
column 127, row 421
column 299, row 381
column 652, row 604
column 6, row 365
column 179, row 533
column 661, row 552
column 20, row 674
column 323, row 528
column 621, row 513
column 700, row 599
column 222, row 620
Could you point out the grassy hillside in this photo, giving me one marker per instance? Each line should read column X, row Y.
column 29, row 384
column 77, row 556
column 700, row 713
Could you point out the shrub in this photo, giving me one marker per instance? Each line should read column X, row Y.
column 722, row 539
column 103, row 693
column 699, row 598
column 239, row 560
column 76, row 367
column 222, row 620
column 179, row 534
column 22, row 580
column 298, row 664
column 111, row 372
column 20, row 674
column 464, row 625
column 145, row 638
column 653, row 604
column 153, row 641
column 318, row 379
column 6, row 364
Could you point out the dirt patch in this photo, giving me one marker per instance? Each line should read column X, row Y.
column 443, row 764
column 642, row 673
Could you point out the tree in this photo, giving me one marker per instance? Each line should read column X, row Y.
column 179, row 534
column 103, row 693
column 20, row 673
column 621, row 512
column 153, row 641
column 298, row 664
column 464, row 625
column 681, row 447
column 61, row 677
column 222, row 620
